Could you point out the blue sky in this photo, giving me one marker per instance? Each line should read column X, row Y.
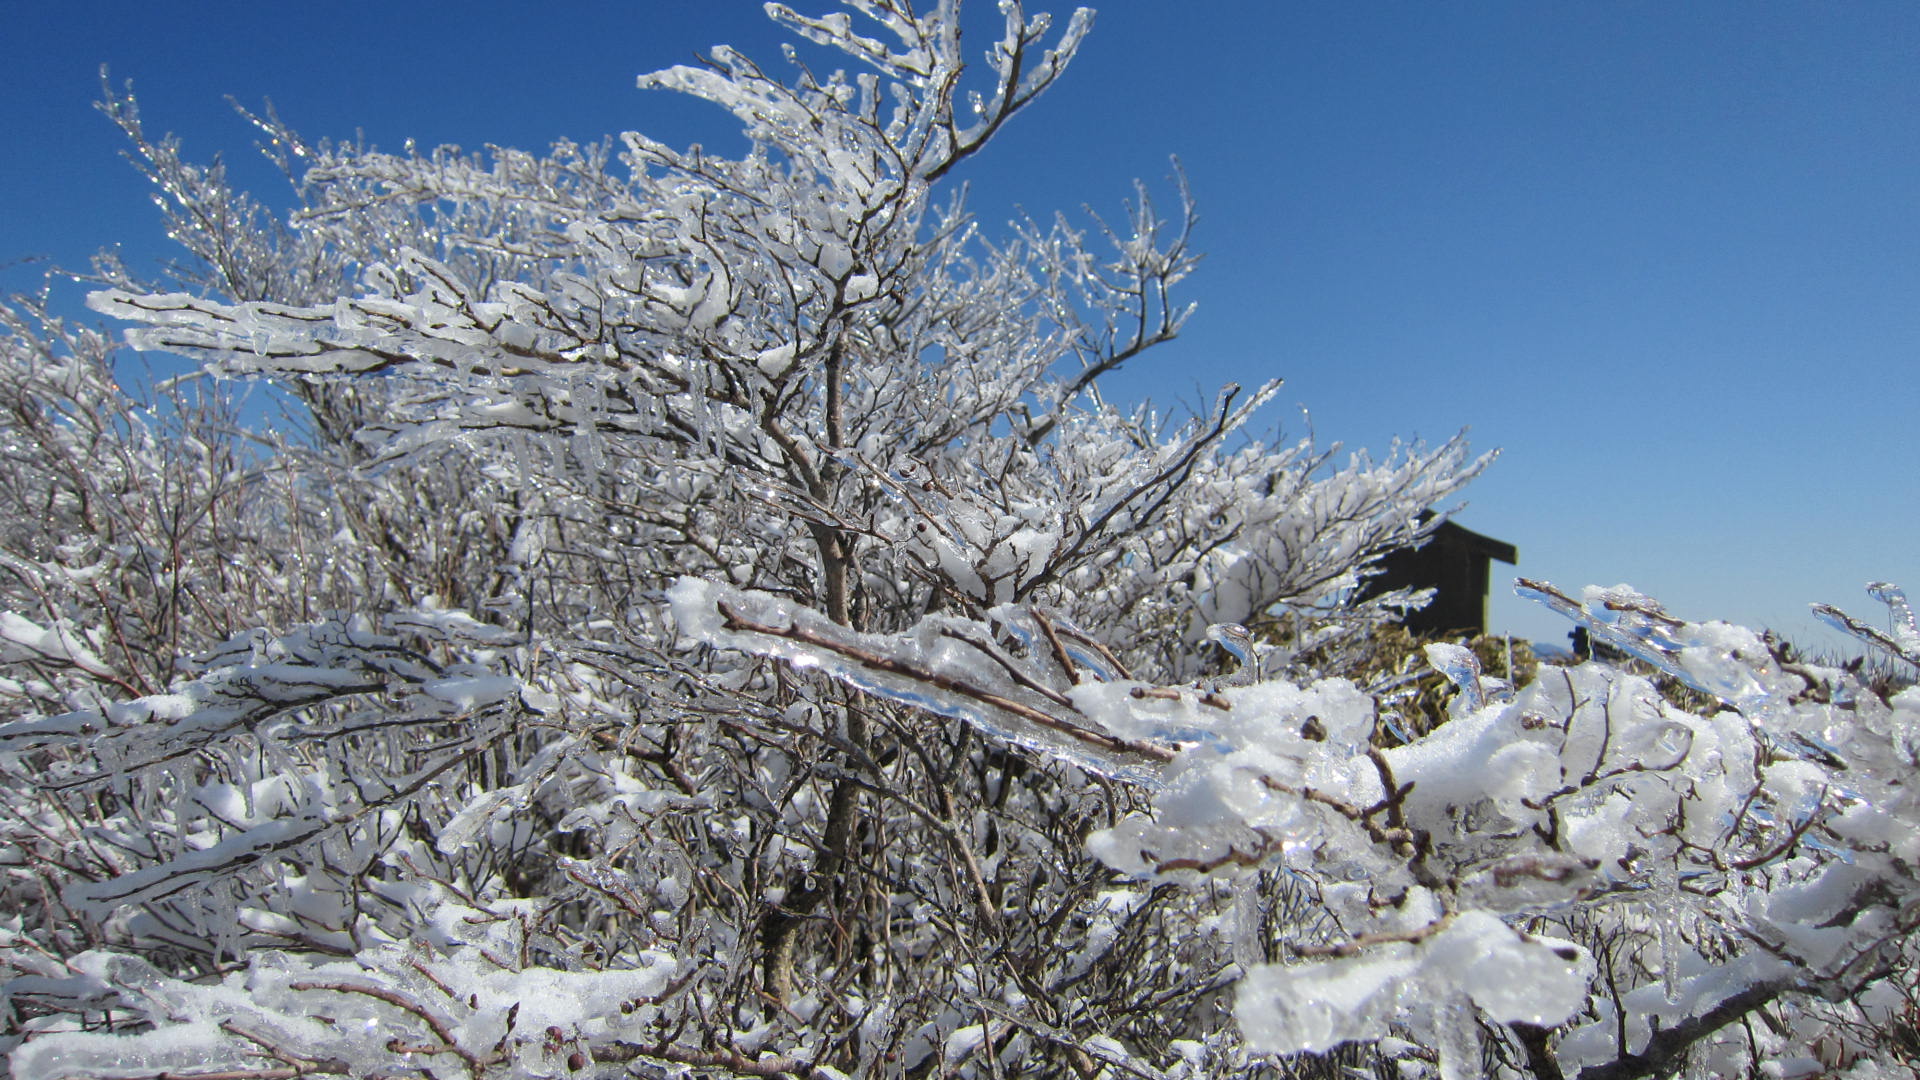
column 1665, row 256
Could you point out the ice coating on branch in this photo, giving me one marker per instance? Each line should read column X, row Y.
column 387, row 996
column 1902, row 639
column 493, row 805
column 199, row 869
column 1234, row 798
column 1727, row 661
column 23, row 639
column 945, row 666
column 1314, row 1005
column 442, row 624
column 245, row 682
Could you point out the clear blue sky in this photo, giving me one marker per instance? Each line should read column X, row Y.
column 1666, row 256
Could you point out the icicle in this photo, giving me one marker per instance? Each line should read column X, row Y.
column 1664, row 898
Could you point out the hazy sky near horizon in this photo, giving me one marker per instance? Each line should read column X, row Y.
column 1665, row 257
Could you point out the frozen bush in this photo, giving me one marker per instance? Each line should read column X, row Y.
column 711, row 623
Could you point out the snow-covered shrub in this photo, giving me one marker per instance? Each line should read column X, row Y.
column 1578, row 871
column 713, row 625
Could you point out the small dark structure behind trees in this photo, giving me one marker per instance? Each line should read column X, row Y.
column 1455, row 563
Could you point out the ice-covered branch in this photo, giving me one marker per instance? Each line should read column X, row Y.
column 949, row 667
column 1903, row 638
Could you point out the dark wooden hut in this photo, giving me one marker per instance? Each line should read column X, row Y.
column 1456, row 563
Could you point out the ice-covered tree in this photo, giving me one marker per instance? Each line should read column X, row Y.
column 713, row 624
